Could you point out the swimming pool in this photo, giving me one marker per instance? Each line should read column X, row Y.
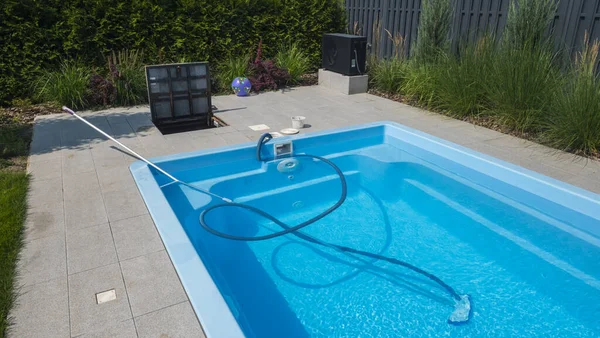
column 524, row 246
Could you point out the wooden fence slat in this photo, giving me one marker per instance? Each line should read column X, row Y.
column 471, row 19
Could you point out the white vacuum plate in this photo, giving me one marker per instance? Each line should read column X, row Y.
column 289, row 131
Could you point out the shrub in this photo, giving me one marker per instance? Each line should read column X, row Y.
column 265, row 74
column 294, row 60
column 574, row 120
column 126, row 72
column 233, row 67
column 68, row 85
column 102, row 91
column 434, row 25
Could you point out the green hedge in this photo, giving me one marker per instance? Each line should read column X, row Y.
column 36, row 34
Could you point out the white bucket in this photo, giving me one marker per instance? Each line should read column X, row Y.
column 298, row 122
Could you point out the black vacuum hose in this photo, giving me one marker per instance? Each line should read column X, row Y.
column 294, row 229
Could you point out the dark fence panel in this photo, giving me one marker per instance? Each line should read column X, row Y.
column 472, row 18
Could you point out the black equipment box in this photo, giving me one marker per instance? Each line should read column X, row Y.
column 344, row 53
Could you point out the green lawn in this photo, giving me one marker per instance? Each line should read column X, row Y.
column 14, row 146
column 13, row 206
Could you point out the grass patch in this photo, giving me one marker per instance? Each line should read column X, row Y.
column 68, row 85
column 13, row 207
column 388, row 75
column 573, row 123
column 15, row 136
column 461, row 81
column 126, row 71
column 294, row 60
column 14, row 140
column 234, row 66
column 522, row 85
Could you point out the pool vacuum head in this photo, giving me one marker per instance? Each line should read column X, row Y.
column 462, row 311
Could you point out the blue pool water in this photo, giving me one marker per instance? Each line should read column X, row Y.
column 532, row 268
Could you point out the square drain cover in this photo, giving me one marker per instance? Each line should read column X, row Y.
column 106, row 296
column 259, row 127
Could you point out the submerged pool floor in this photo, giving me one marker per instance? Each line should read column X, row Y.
column 527, row 273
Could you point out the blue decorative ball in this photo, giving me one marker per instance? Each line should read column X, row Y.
column 241, row 86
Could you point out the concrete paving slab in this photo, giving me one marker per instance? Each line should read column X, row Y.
column 42, row 311
column 42, row 260
column 177, row 321
column 85, row 212
column 135, row 237
column 75, row 161
column 124, row 329
column 90, row 248
column 124, row 203
column 45, row 170
column 152, row 283
column 45, row 220
column 88, row 316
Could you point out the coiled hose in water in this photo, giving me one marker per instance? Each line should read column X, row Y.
column 462, row 310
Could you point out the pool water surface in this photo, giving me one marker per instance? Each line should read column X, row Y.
column 528, row 261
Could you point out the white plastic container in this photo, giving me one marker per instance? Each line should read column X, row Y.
column 298, row 122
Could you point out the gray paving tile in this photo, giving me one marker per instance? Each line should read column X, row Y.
column 122, row 129
column 88, row 316
column 42, row 310
column 45, row 170
column 76, row 161
column 46, row 192
column 235, row 138
column 210, row 142
column 585, row 183
column 44, row 220
column 124, row 329
column 223, row 130
column 42, row 260
column 39, row 155
column 177, row 321
column 106, row 155
column 85, row 212
column 81, row 186
column 116, row 178
column 152, row 283
column 135, row 236
column 90, row 248
column 124, row 203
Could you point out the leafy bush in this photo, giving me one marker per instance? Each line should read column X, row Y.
column 294, row 60
column 35, row 34
column 102, row 91
column 265, row 74
column 126, row 72
column 67, row 85
column 233, row 67
column 435, row 20
column 574, row 119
